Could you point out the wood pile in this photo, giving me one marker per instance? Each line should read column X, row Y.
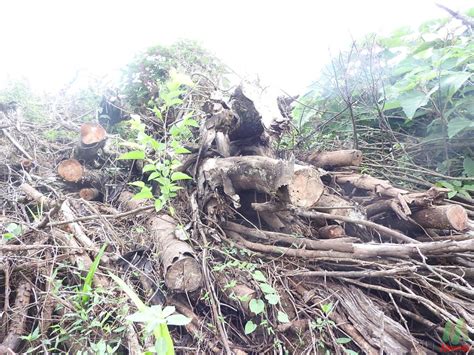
column 395, row 266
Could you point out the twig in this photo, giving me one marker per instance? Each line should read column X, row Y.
column 99, row 216
column 16, row 144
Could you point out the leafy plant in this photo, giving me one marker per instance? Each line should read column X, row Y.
column 145, row 75
column 415, row 82
column 155, row 318
column 257, row 306
column 161, row 156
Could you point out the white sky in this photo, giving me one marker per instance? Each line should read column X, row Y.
column 285, row 42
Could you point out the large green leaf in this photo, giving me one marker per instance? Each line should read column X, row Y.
column 134, row 154
column 450, row 83
column 468, row 166
column 412, row 101
column 458, row 124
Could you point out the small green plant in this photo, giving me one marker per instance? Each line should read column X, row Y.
column 155, row 318
column 161, row 157
column 258, row 306
column 322, row 324
column 13, row 230
column 86, row 289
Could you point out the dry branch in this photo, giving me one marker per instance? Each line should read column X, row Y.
column 335, row 159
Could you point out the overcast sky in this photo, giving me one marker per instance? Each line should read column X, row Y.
column 286, row 42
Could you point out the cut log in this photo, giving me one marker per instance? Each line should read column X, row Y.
column 442, row 217
column 93, row 137
column 331, row 232
column 71, row 170
column 89, row 194
column 305, row 187
column 298, row 185
column 334, row 204
column 335, row 159
column 182, row 272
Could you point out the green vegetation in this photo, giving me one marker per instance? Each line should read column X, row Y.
column 162, row 156
column 145, row 75
column 411, row 93
column 156, row 320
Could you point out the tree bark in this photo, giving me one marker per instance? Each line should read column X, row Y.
column 182, row 272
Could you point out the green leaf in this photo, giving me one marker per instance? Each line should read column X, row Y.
column 282, row 317
column 266, row 288
column 181, row 150
column 391, row 104
column 272, row 298
column 326, row 308
column 191, row 122
column 134, row 155
column 259, row 276
column 130, row 293
column 14, row 229
column 468, row 187
column 137, row 183
column 144, row 194
column 450, row 84
column 178, row 319
column 257, row 306
column 350, row 352
column 154, row 175
column 90, row 275
column 451, row 194
column 458, row 124
column 8, row 236
column 180, row 176
column 412, row 101
column 149, row 167
column 250, row 327
column 158, row 205
column 343, row 340
column 468, row 165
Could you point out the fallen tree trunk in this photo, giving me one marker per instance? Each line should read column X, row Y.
column 298, row 185
column 182, row 272
column 335, row 159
